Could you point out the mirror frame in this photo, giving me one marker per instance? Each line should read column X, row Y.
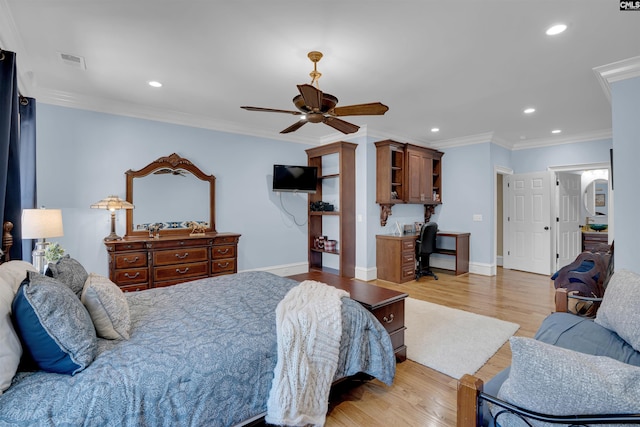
column 172, row 162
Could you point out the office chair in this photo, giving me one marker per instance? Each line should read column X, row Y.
column 425, row 246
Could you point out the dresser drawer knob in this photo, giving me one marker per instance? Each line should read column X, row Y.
column 131, row 277
column 226, row 264
column 221, row 252
column 388, row 319
column 186, row 254
column 182, row 271
column 131, row 261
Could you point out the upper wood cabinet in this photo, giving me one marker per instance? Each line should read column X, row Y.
column 407, row 173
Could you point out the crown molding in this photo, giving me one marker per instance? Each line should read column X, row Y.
column 110, row 106
column 462, row 141
column 571, row 139
column 617, row 71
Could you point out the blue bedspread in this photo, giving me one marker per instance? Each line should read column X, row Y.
column 200, row 354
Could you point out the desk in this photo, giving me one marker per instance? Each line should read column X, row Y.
column 396, row 258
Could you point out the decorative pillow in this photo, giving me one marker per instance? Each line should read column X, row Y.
column 107, row 306
column 14, row 272
column 10, row 348
column 56, row 330
column 70, row 272
column 557, row 381
column 620, row 308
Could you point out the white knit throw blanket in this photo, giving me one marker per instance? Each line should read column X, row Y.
column 309, row 328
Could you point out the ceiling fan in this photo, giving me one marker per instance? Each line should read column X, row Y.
column 318, row 107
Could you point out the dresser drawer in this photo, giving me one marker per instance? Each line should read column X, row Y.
column 182, row 255
column 391, row 316
column 181, row 271
column 397, row 338
column 223, row 266
column 134, row 288
column 224, row 239
column 131, row 276
column 131, row 259
column 226, row 251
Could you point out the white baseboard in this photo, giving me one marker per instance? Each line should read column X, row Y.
column 499, row 260
column 285, row 269
column 366, row 274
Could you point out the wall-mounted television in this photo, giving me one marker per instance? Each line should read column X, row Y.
column 302, row 179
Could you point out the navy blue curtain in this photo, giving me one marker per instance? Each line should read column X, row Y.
column 27, row 161
column 12, row 158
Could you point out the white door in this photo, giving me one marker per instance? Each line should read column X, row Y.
column 528, row 222
column 568, row 231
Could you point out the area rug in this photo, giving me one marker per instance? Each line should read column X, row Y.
column 451, row 341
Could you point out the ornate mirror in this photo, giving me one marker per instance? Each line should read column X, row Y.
column 172, row 194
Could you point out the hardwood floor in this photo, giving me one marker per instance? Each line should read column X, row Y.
column 421, row 396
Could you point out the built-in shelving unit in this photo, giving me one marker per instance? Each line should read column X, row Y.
column 407, row 173
column 337, row 186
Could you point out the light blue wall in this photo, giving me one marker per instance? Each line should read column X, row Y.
column 82, row 157
column 625, row 97
column 540, row 159
column 467, row 190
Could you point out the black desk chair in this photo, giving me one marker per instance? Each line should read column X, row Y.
column 425, row 246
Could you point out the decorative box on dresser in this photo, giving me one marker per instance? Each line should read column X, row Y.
column 137, row 263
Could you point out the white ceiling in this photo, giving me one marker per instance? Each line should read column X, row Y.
column 469, row 67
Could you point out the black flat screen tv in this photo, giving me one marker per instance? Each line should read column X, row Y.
column 301, row 179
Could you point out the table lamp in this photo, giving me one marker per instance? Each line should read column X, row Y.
column 112, row 203
column 41, row 224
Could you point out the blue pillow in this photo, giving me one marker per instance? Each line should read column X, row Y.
column 584, row 266
column 55, row 328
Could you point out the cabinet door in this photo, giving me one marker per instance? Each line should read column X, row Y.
column 419, row 176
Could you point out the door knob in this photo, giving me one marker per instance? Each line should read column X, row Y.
column 546, row 228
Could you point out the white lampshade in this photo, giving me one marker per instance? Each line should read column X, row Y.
column 41, row 223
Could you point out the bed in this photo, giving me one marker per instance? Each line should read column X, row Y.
column 200, row 353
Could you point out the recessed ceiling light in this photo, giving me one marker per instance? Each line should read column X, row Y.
column 556, row 29
column 529, row 110
column 435, row 129
column 154, row 83
column 556, row 131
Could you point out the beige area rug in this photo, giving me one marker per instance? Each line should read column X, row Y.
column 454, row 342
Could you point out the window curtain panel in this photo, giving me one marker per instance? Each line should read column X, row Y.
column 11, row 158
column 27, row 162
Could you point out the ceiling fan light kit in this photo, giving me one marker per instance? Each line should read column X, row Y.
column 316, row 106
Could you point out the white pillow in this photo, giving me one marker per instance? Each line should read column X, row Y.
column 14, row 273
column 10, row 348
column 107, row 307
column 620, row 308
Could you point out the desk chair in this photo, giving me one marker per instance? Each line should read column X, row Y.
column 425, row 246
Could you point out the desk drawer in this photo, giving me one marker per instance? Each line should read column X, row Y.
column 409, row 245
column 181, row 271
column 226, row 251
column 131, row 260
column 408, row 258
column 391, row 316
column 182, row 256
column 408, row 272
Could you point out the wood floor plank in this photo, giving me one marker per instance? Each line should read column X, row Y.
column 421, row 396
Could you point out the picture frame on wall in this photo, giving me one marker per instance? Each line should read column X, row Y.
column 600, row 200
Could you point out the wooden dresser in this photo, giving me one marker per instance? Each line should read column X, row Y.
column 594, row 240
column 137, row 263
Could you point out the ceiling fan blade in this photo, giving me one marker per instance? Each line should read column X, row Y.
column 297, row 125
column 271, row 110
column 341, row 125
column 370, row 109
column 312, row 97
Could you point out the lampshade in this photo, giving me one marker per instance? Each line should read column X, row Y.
column 41, row 223
column 112, row 203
